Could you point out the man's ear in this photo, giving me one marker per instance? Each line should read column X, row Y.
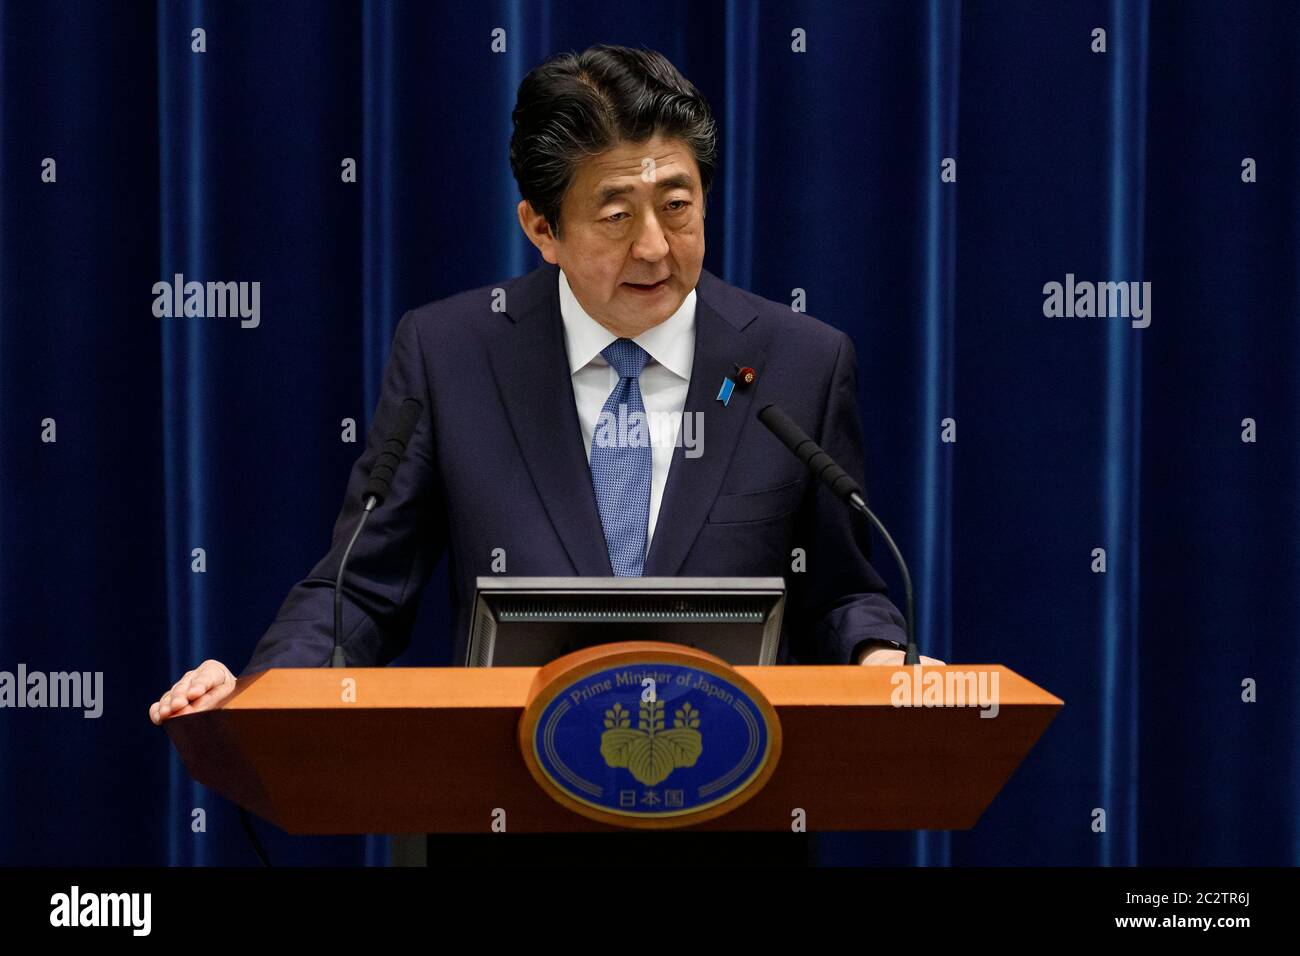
column 537, row 230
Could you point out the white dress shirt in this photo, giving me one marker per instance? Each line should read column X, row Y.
column 664, row 380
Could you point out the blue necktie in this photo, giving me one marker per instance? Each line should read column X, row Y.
column 621, row 460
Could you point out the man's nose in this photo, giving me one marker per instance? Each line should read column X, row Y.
column 650, row 243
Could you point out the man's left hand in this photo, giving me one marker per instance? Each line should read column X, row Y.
column 890, row 656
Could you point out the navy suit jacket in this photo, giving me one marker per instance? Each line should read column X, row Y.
column 497, row 461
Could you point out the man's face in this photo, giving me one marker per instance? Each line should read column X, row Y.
column 633, row 218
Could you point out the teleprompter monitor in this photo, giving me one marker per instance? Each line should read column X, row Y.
column 530, row 621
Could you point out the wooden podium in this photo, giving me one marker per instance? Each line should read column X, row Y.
column 437, row 750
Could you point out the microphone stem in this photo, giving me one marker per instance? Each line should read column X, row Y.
column 913, row 654
column 338, row 658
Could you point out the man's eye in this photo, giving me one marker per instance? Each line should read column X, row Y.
column 614, row 217
column 680, row 204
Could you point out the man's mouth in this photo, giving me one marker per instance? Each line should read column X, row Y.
column 647, row 287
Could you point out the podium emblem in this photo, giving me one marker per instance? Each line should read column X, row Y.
column 648, row 735
column 650, row 752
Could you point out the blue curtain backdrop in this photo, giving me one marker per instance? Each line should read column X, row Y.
column 1071, row 433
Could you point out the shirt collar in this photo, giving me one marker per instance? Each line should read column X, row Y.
column 671, row 343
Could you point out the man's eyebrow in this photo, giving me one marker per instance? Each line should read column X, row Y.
column 675, row 181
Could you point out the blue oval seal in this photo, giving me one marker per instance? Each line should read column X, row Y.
column 647, row 734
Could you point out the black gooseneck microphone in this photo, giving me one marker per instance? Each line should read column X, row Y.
column 846, row 489
column 376, row 490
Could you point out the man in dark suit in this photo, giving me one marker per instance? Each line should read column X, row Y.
column 519, row 461
column 496, row 471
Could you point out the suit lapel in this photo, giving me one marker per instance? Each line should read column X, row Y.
column 532, row 375
column 693, row 483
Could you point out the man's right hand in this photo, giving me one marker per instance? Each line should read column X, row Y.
column 200, row 689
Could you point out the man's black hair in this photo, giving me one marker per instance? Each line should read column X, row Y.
column 575, row 105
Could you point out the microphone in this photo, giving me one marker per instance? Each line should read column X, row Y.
column 374, row 494
column 846, row 489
